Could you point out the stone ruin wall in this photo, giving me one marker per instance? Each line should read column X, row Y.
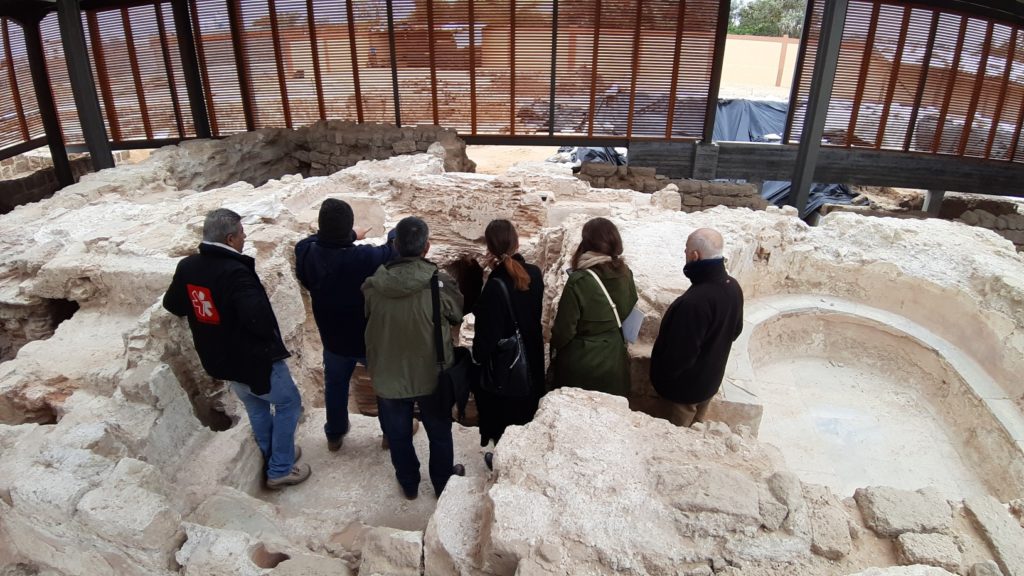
column 696, row 194
column 131, row 479
column 31, row 177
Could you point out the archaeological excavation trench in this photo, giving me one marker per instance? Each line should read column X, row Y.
column 875, row 352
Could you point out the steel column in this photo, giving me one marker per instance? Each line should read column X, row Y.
column 47, row 106
column 825, row 63
column 190, row 68
column 83, row 86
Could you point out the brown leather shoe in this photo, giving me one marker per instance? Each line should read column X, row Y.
column 299, row 474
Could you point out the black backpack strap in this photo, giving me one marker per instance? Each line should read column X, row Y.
column 435, row 299
column 508, row 303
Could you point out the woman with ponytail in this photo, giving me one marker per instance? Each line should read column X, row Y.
column 525, row 288
column 587, row 346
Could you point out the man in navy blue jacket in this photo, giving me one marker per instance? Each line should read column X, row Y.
column 332, row 267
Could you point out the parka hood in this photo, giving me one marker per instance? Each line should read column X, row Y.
column 402, row 277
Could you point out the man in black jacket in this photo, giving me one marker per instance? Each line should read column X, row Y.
column 697, row 331
column 236, row 335
column 333, row 269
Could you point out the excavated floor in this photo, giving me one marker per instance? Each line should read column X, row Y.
column 849, row 426
column 854, row 396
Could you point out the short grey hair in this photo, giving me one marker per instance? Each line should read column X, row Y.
column 411, row 235
column 221, row 223
column 707, row 241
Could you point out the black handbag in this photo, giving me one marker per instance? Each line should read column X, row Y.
column 452, row 382
column 507, row 372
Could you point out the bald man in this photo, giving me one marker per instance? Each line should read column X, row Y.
column 697, row 332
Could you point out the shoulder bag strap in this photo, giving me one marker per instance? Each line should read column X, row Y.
column 508, row 303
column 435, row 300
column 615, row 310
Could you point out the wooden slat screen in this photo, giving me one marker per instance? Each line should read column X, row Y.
column 19, row 110
column 921, row 79
column 57, row 68
column 624, row 68
column 212, row 31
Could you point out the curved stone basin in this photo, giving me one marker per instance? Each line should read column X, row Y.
column 854, row 396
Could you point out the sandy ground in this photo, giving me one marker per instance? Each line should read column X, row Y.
column 497, row 159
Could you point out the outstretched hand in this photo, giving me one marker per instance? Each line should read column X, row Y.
column 361, row 231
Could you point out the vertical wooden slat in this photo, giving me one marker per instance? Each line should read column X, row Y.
column 953, row 71
column 275, row 36
column 794, row 89
column 926, row 64
column 314, row 49
column 897, row 61
column 1010, row 55
column 674, row 84
column 1016, row 133
column 717, row 62
column 782, row 60
column 512, row 67
column 13, row 80
column 203, row 69
column 355, row 59
column 394, row 63
column 241, row 63
column 593, row 68
column 433, row 62
column 554, row 62
column 99, row 57
column 165, row 48
column 865, row 63
column 978, row 82
column 133, row 59
column 472, row 69
column 636, row 67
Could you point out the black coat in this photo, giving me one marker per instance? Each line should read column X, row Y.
column 697, row 332
column 233, row 325
column 334, row 273
column 492, row 324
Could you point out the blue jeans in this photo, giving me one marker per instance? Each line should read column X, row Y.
column 337, row 374
column 396, row 420
column 274, row 431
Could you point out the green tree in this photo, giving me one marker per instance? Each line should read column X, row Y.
column 768, row 18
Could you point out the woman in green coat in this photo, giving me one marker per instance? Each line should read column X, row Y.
column 587, row 347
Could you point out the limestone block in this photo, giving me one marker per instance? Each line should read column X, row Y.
column 891, row 512
column 598, row 169
column 1001, row 530
column 987, row 568
column 917, row 570
column 390, row 552
column 50, row 492
column 642, row 171
column 970, row 217
column 212, row 552
column 727, row 189
column 404, row 147
column 231, row 509
column 985, row 219
column 667, row 198
column 129, row 515
column 830, row 526
column 929, row 549
column 455, row 527
column 311, row 566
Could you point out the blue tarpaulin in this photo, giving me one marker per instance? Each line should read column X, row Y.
column 750, row 121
